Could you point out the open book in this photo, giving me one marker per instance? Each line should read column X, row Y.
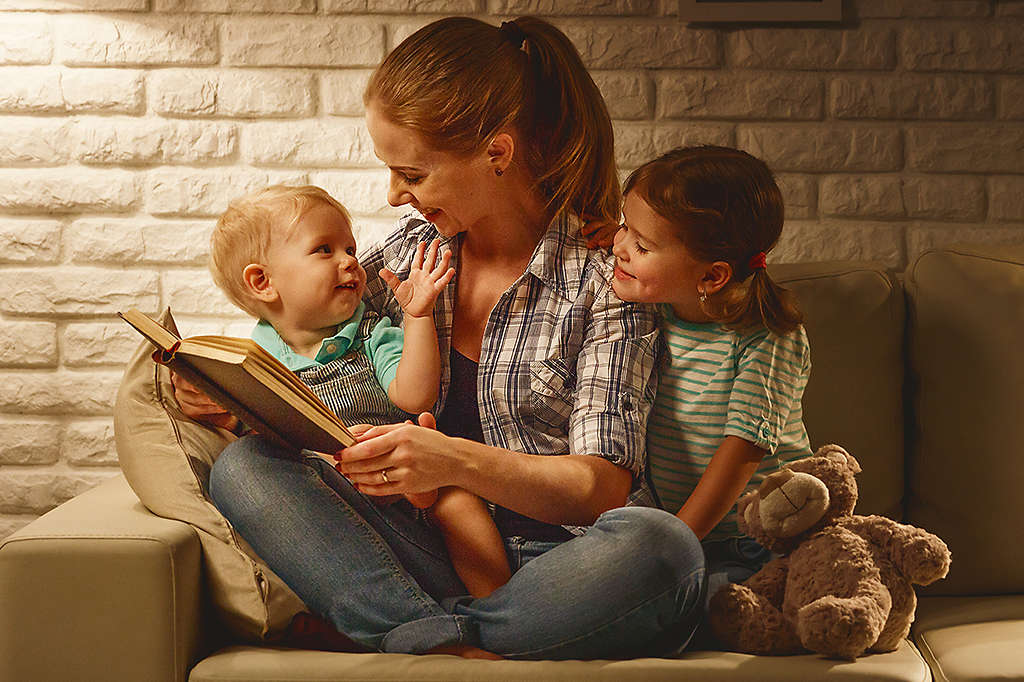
column 250, row 383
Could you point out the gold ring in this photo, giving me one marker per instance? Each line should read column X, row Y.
column 384, row 475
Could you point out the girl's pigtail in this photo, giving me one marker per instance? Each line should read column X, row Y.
column 761, row 301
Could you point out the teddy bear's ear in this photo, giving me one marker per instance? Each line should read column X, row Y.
column 791, row 503
column 839, row 455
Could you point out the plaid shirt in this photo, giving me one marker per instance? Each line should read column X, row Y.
column 565, row 366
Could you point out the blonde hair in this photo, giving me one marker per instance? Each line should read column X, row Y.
column 725, row 206
column 243, row 234
column 460, row 81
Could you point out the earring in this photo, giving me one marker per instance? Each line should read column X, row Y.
column 702, row 296
column 499, row 172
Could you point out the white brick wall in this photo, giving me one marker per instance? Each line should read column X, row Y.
column 127, row 125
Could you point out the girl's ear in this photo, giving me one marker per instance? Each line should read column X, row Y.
column 256, row 277
column 500, row 151
column 717, row 276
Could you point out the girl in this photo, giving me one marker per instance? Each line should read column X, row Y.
column 697, row 224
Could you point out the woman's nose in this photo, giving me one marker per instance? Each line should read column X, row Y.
column 397, row 195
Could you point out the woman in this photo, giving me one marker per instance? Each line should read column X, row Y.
column 501, row 142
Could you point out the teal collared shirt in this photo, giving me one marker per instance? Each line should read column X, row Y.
column 383, row 346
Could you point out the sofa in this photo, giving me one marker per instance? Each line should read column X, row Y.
column 919, row 374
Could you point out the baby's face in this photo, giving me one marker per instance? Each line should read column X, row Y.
column 315, row 272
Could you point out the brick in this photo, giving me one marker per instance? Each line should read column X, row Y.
column 138, row 240
column 369, row 231
column 868, row 47
column 29, row 241
column 341, row 92
column 76, row 291
column 717, row 94
column 862, row 196
column 239, row 93
column 810, row 148
column 944, row 197
column 92, row 344
column 50, row 90
column 142, row 40
column 362, row 192
column 911, row 96
column 229, row 7
column 28, row 344
column 89, row 444
column 25, row 40
column 967, row 148
column 31, row 492
column 102, row 90
column 618, row 8
column 206, row 192
column 1011, row 98
column 806, row 240
column 1006, row 198
column 800, row 195
column 458, row 7
column 637, row 45
column 75, row 5
column 925, row 236
column 255, row 41
column 899, row 9
column 637, row 144
column 149, row 141
column 628, row 94
column 31, row 90
column 964, row 46
column 35, row 142
column 46, row 392
column 29, row 442
column 65, row 190
column 316, row 143
column 192, row 292
column 1010, row 8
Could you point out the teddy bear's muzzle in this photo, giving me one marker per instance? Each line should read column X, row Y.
column 790, row 503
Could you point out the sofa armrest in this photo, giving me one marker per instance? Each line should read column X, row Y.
column 100, row 589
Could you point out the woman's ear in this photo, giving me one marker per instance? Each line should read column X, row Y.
column 500, row 151
column 256, row 277
column 716, row 276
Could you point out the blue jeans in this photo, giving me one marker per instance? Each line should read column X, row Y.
column 633, row 585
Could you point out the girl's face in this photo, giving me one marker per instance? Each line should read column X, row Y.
column 447, row 189
column 652, row 265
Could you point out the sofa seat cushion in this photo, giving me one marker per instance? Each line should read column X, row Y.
column 258, row 664
column 972, row 638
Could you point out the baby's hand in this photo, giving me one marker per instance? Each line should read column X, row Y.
column 427, row 278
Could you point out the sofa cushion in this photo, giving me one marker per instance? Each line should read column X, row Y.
column 252, row 664
column 971, row 638
column 965, row 473
column 854, row 316
column 166, row 458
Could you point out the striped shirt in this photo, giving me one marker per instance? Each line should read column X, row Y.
column 714, row 383
column 565, row 366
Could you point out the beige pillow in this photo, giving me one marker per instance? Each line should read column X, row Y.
column 166, row 458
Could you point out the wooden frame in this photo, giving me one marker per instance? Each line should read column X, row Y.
column 760, row 10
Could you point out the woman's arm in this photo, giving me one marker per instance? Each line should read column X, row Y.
column 419, row 459
column 728, row 473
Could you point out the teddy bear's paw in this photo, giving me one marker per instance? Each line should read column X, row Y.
column 839, row 628
column 925, row 560
column 746, row 621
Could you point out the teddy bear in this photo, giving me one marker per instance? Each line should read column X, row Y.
column 842, row 586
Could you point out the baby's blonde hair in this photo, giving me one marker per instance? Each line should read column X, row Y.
column 243, row 234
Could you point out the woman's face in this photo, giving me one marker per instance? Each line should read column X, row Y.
column 449, row 190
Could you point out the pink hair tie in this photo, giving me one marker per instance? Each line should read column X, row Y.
column 757, row 261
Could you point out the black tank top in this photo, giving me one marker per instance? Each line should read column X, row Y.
column 461, row 418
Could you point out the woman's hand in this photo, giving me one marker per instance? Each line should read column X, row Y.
column 400, row 459
column 198, row 406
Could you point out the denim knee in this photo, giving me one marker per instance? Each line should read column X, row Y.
column 236, row 471
column 661, row 537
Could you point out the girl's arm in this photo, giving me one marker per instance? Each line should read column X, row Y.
column 731, row 467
